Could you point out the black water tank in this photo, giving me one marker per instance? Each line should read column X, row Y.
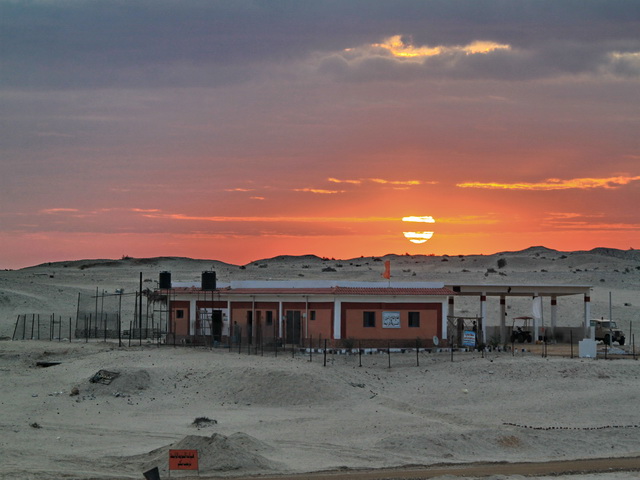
column 165, row 281
column 208, row 281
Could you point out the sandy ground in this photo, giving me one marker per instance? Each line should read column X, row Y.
column 293, row 415
column 289, row 415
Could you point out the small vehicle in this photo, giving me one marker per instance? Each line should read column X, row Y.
column 607, row 331
column 521, row 333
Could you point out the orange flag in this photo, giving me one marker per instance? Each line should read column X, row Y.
column 387, row 270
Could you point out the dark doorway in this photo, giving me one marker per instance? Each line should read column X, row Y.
column 293, row 327
column 249, row 326
column 217, row 325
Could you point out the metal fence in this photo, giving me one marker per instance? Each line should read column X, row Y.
column 35, row 326
column 101, row 316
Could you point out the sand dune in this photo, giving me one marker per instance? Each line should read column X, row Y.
column 290, row 415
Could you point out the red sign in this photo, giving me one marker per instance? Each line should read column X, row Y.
column 183, row 459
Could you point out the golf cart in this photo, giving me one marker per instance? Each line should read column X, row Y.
column 521, row 333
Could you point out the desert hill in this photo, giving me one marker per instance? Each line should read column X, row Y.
column 53, row 288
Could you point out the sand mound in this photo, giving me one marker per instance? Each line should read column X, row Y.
column 256, row 386
column 127, row 382
column 217, row 453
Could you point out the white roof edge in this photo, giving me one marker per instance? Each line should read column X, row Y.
column 302, row 284
column 329, row 284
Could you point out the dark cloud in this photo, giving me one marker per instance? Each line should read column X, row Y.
column 76, row 44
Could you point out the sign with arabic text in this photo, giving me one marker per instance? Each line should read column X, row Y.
column 469, row 338
column 390, row 319
column 183, row 459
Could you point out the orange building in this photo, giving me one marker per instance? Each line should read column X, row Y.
column 309, row 312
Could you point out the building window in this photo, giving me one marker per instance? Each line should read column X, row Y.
column 312, row 315
column 369, row 319
column 269, row 315
column 414, row 319
column 179, row 313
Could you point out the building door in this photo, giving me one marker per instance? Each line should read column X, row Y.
column 293, row 327
column 180, row 317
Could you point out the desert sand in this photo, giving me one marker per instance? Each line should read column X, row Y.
column 267, row 415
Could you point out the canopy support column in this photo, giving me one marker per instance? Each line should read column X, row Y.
column 483, row 316
column 587, row 316
column 554, row 318
column 503, row 317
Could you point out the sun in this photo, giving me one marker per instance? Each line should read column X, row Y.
column 418, row 237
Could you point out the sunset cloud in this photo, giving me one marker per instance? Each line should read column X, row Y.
column 50, row 211
column 319, row 191
column 266, row 218
column 380, row 181
column 337, row 180
column 556, row 184
column 144, row 210
column 398, row 48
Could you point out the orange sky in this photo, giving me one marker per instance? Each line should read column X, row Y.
column 253, row 133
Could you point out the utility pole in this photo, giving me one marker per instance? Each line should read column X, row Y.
column 140, row 309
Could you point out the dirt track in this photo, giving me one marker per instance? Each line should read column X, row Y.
column 553, row 468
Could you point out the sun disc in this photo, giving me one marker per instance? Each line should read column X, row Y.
column 418, row 237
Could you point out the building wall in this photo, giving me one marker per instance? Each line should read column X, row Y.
column 254, row 320
column 322, row 326
column 430, row 315
column 262, row 321
column 265, row 321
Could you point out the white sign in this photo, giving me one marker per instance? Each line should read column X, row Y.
column 469, row 338
column 390, row 319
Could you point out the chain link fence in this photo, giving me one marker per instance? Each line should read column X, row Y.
column 100, row 316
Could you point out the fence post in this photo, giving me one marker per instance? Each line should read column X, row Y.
column 571, row 341
column 15, row 328
column 359, row 354
column 69, row 329
column 325, row 353
column 451, row 346
column 33, row 319
column 389, row 352
column 417, row 353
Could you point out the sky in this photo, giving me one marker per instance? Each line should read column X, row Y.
column 244, row 130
